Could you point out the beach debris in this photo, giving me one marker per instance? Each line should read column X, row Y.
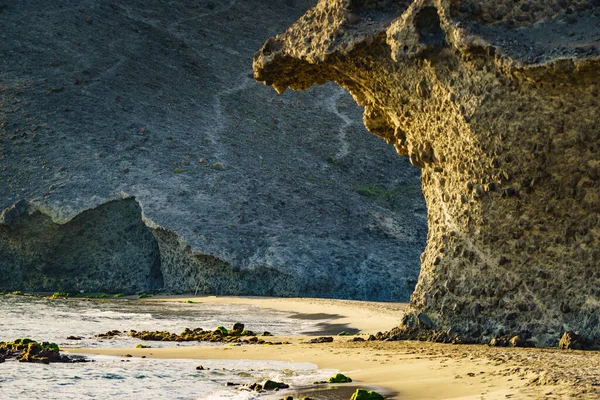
column 343, row 333
column 339, row 378
column 142, row 346
column 74, row 338
column 322, row 339
column 126, row 355
column 27, row 350
column 363, row 394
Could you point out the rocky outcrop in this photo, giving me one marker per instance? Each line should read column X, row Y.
column 115, row 248
column 497, row 103
column 107, row 249
column 156, row 100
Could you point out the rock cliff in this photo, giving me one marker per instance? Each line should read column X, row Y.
column 137, row 149
column 497, row 103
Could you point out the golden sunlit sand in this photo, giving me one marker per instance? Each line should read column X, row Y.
column 409, row 370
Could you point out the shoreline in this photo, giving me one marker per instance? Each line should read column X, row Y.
column 362, row 317
column 403, row 370
column 407, row 370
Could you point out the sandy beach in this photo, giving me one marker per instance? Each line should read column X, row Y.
column 403, row 370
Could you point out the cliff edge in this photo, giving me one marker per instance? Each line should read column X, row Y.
column 497, row 103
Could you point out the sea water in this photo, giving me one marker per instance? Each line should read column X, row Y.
column 136, row 378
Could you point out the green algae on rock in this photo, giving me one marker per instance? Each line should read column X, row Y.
column 219, row 335
column 503, row 124
column 27, row 350
column 363, row 394
column 339, row 378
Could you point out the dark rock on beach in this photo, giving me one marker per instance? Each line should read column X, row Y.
column 219, row 335
column 510, row 341
column 322, row 339
column 573, row 341
column 27, row 350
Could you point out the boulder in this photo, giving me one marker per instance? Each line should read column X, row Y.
column 363, row 394
column 339, row 378
column 572, row 341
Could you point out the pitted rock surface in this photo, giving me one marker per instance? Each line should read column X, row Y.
column 148, row 109
column 497, row 103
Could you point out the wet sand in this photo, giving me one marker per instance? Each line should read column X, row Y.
column 405, row 370
column 358, row 316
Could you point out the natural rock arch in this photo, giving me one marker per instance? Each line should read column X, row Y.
column 497, row 102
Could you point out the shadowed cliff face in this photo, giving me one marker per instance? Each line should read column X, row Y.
column 497, row 103
column 107, row 249
column 111, row 249
column 109, row 99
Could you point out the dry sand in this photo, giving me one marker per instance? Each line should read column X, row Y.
column 406, row 370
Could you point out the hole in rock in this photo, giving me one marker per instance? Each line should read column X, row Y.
column 429, row 28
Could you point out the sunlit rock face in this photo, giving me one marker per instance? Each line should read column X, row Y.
column 497, row 103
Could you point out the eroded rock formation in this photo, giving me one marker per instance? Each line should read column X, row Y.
column 497, row 103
